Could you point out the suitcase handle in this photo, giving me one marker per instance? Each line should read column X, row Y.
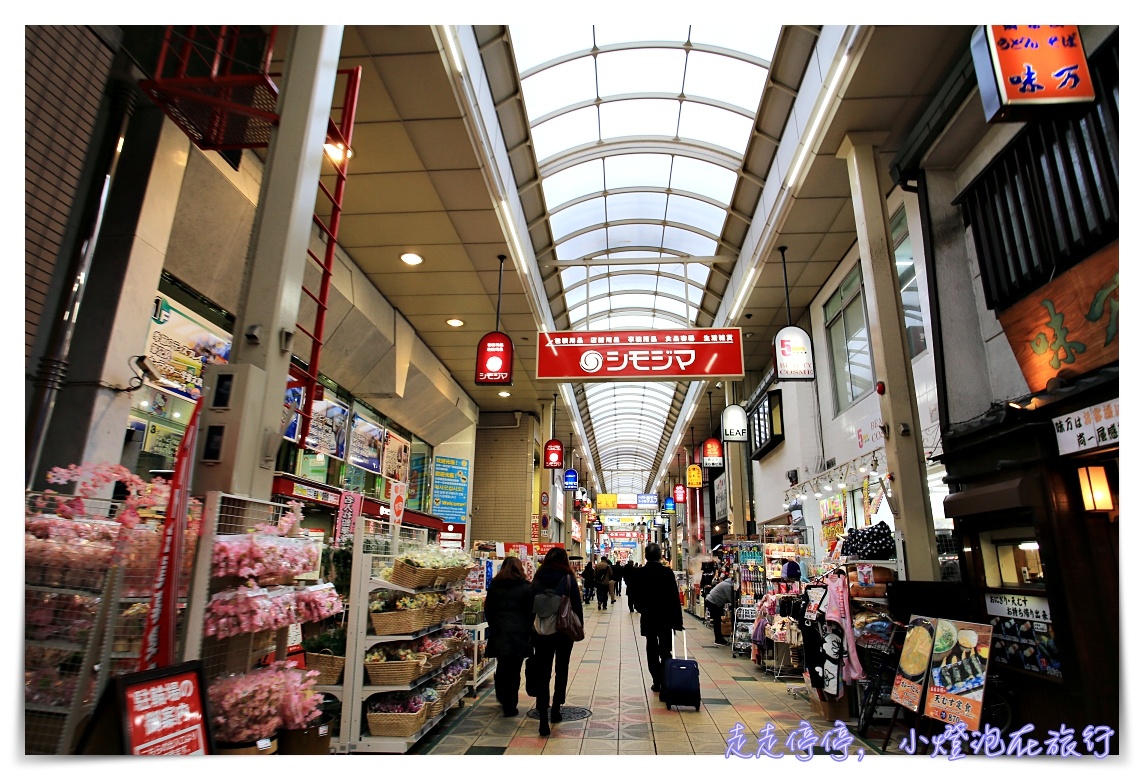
column 684, row 644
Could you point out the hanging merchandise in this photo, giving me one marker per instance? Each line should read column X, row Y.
column 875, row 543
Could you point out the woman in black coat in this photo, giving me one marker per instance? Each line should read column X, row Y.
column 508, row 610
column 554, row 574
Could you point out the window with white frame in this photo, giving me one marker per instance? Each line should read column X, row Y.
column 851, row 362
column 908, row 284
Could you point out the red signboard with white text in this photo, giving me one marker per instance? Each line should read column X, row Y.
column 640, row 355
column 553, row 454
column 680, row 494
column 494, row 359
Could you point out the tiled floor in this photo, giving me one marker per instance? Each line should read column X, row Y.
column 608, row 675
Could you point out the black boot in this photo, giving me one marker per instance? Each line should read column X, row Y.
column 544, row 730
column 557, row 715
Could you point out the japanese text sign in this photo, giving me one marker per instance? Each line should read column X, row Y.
column 694, row 476
column 553, row 454
column 164, row 712
column 494, row 359
column 958, row 670
column 679, row 494
column 349, row 507
column 1090, row 428
column 450, row 488
column 647, row 355
column 1021, row 65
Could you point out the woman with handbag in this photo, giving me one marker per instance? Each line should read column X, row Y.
column 508, row 610
column 557, row 608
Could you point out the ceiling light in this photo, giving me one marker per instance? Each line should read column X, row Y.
column 1029, row 546
column 817, row 494
column 504, row 393
column 456, row 323
column 411, row 259
column 338, row 152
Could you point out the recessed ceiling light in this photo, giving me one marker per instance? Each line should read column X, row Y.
column 504, row 393
column 748, row 335
column 411, row 259
column 456, row 323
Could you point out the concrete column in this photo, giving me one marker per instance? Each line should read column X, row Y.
column 891, row 358
column 277, row 260
column 736, row 459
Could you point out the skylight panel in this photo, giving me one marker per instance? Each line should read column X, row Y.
column 724, row 78
column 635, row 235
column 622, row 282
column 640, row 70
column 688, row 242
column 564, row 132
column 573, row 275
column 559, row 86
column 572, row 183
column 637, row 205
column 589, row 243
column 626, row 118
column 753, row 36
column 716, row 126
column 646, row 28
column 690, row 211
column 573, row 218
column 702, row 178
column 536, row 44
column 698, row 273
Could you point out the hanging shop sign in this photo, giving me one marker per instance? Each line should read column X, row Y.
column 553, row 454
column 734, row 423
column 647, row 501
column 669, row 505
column 571, row 480
column 450, row 488
column 1024, row 68
column 179, row 344
column 679, row 493
column 367, row 440
column 328, row 428
column 1071, row 325
column 712, row 454
column 642, row 355
column 694, row 476
column 494, row 359
column 607, row 501
column 395, row 466
column 1090, row 428
column 766, row 423
column 1023, row 635
column 794, row 355
column 957, row 672
column 577, row 530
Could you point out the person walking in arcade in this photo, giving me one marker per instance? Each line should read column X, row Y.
column 554, row 575
column 508, row 610
column 603, row 584
column 656, row 597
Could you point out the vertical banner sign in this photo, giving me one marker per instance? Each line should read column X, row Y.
column 794, row 355
column 494, row 359
column 395, row 464
column 349, row 507
column 397, row 502
column 734, row 422
column 159, row 630
column 680, row 494
column 694, row 476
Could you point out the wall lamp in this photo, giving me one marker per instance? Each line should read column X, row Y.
column 1094, row 489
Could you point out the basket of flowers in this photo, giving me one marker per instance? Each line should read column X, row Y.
column 394, row 664
column 396, row 714
column 410, row 573
column 403, row 615
column 326, row 653
column 436, row 650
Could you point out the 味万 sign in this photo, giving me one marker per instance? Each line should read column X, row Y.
column 1087, row 429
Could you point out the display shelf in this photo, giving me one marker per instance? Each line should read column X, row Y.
column 482, row 677
column 377, row 583
column 49, row 709
column 871, row 599
column 370, row 744
column 889, row 563
column 56, row 644
column 377, row 639
column 369, row 690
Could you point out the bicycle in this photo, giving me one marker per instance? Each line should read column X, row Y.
column 881, row 665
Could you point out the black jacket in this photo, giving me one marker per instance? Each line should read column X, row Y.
column 589, row 575
column 558, row 581
column 508, row 610
column 657, row 599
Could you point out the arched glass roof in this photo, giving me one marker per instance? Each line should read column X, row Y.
column 639, row 133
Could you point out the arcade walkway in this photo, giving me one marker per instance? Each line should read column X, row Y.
column 608, row 676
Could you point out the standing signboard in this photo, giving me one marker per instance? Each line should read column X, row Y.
column 914, row 664
column 958, row 669
column 349, row 507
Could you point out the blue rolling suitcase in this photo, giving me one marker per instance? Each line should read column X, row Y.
column 680, row 679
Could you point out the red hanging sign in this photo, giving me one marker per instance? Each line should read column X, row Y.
column 1019, row 66
column 159, row 629
column 642, row 355
column 494, row 359
column 712, row 454
column 349, row 507
column 553, row 454
column 680, row 494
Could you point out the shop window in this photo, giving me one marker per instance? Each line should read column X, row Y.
column 849, row 338
column 908, row 284
column 1011, row 558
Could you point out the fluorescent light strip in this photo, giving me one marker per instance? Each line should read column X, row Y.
column 818, row 117
column 454, row 47
column 510, row 223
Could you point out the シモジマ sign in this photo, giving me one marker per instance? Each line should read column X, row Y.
column 647, row 355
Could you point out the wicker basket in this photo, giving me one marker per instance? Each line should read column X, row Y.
column 396, row 672
column 395, row 623
column 413, row 576
column 437, row 707
column 329, row 667
column 396, row 724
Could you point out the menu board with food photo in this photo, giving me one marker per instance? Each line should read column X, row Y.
column 957, row 672
column 917, row 649
column 1023, row 633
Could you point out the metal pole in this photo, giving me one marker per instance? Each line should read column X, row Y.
column 786, row 289
column 500, row 286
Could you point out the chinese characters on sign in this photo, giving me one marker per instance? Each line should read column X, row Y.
column 1091, row 428
column 450, row 488
column 366, row 442
column 179, row 345
column 958, row 672
column 349, row 507
column 164, row 714
column 1023, row 632
column 650, row 355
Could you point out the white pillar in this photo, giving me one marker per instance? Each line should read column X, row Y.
column 283, row 223
column 891, row 358
column 736, row 458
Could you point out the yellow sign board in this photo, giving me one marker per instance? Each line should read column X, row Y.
column 694, row 476
column 606, row 501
